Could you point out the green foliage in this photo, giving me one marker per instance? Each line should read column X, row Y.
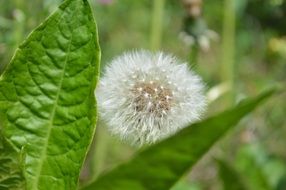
column 11, row 175
column 230, row 177
column 20, row 115
column 253, row 169
column 161, row 165
column 260, row 169
column 47, row 102
column 182, row 185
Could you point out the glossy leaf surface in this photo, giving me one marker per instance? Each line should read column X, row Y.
column 11, row 173
column 47, row 102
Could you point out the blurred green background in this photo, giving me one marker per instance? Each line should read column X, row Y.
column 240, row 48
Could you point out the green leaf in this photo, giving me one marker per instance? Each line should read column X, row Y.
column 47, row 101
column 231, row 179
column 161, row 165
column 11, row 176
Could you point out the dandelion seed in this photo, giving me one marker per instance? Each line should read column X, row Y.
column 164, row 98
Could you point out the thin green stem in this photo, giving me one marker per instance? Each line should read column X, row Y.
column 194, row 55
column 228, row 48
column 99, row 153
column 157, row 24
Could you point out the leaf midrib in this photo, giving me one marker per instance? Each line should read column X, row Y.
column 44, row 152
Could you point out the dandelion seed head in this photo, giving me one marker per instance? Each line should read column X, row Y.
column 145, row 97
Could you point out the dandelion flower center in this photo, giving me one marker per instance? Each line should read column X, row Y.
column 152, row 97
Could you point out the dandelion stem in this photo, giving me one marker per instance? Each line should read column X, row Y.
column 194, row 55
column 228, row 48
column 99, row 154
column 157, row 23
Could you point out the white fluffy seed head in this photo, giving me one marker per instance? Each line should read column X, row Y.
column 145, row 97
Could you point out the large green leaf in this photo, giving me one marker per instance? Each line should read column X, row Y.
column 161, row 165
column 47, row 101
column 11, row 174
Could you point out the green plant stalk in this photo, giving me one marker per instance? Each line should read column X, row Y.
column 157, row 24
column 19, row 26
column 19, row 4
column 99, row 154
column 194, row 55
column 228, row 48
